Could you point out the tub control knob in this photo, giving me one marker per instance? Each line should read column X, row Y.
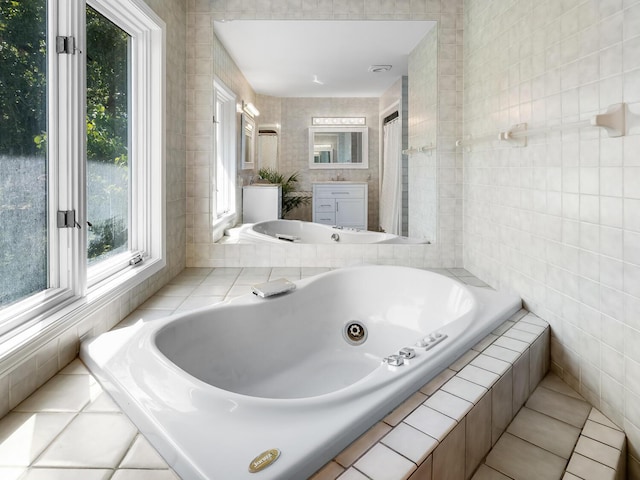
column 433, row 339
column 407, row 352
column 422, row 343
column 394, row 360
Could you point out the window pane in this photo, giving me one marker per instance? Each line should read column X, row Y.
column 221, row 176
column 23, row 149
column 107, row 138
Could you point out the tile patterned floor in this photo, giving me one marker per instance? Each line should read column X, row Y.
column 551, row 433
column 69, row 429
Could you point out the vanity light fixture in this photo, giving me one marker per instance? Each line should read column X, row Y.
column 337, row 121
column 250, row 109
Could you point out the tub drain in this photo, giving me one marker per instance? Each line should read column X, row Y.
column 355, row 333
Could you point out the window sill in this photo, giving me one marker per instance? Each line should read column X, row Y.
column 221, row 224
column 17, row 348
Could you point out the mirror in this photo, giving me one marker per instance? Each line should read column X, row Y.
column 268, row 147
column 334, row 147
column 247, row 141
column 342, row 76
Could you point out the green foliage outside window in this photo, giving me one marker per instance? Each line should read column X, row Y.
column 107, row 136
column 23, row 75
column 23, row 166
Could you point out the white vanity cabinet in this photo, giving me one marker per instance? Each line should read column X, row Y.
column 340, row 203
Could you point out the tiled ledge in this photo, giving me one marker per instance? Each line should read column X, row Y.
column 557, row 435
column 445, row 430
column 461, row 425
column 73, row 417
column 63, row 429
column 600, row 453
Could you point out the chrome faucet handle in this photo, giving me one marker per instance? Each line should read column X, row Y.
column 394, row 360
column 407, row 352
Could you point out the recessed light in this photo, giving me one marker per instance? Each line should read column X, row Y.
column 379, row 68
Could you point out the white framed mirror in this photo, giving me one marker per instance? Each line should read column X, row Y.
column 338, row 147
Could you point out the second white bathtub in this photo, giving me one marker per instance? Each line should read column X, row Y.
column 297, row 231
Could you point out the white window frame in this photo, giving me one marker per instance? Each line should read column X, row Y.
column 225, row 151
column 146, row 135
column 76, row 290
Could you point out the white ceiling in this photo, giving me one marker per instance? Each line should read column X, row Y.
column 281, row 58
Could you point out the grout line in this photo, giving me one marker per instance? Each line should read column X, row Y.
column 506, row 430
column 44, row 450
column 379, row 442
column 591, row 458
column 569, row 396
column 133, row 441
column 578, row 454
column 537, row 446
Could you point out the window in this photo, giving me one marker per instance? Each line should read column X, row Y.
column 24, row 228
column 108, row 116
column 81, row 154
column 225, row 150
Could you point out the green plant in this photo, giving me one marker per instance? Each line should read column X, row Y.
column 289, row 202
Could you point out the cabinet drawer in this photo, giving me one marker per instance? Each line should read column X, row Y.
column 326, row 218
column 324, row 205
column 339, row 191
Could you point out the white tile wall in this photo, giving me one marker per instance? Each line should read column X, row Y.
column 201, row 251
column 558, row 221
column 423, row 131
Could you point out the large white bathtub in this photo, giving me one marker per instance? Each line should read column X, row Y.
column 214, row 388
column 297, row 231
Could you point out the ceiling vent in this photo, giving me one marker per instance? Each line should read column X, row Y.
column 379, row 68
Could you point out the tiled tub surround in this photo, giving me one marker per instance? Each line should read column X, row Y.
column 557, row 434
column 325, row 391
column 69, row 429
column 454, row 427
column 600, row 452
column 445, row 430
column 79, row 434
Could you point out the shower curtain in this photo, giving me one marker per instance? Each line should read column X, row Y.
column 391, row 191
